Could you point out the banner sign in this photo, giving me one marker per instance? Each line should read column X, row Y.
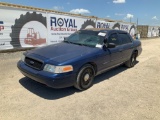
column 104, row 24
column 20, row 28
column 153, row 31
column 130, row 28
column 61, row 26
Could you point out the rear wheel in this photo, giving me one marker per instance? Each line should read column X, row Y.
column 132, row 61
column 85, row 77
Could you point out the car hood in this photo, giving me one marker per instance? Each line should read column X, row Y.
column 63, row 52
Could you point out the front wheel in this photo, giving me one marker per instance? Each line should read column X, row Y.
column 85, row 77
column 132, row 61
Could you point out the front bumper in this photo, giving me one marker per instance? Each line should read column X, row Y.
column 49, row 79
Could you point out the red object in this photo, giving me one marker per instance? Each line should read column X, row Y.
column 34, row 38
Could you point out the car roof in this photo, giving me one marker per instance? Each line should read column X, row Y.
column 106, row 30
column 97, row 29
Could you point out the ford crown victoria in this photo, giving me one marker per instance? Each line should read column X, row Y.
column 80, row 57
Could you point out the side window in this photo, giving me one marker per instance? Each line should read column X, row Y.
column 113, row 38
column 125, row 38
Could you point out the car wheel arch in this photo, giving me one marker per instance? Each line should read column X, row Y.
column 136, row 52
column 94, row 66
column 131, row 62
column 88, row 63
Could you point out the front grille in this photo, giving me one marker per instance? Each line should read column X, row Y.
column 33, row 63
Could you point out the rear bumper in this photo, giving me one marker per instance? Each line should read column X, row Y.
column 49, row 79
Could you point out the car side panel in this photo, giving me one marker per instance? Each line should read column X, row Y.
column 127, row 51
column 116, row 55
column 103, row 60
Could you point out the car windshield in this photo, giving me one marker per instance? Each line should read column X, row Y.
column 86, row 38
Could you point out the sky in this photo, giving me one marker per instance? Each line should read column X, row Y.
column 146, row 11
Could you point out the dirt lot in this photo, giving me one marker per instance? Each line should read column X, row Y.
column 120, row 94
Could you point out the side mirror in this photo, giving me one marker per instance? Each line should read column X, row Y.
column 105, row 41
column 105, row 45
column 108, row 45
column 111, row 45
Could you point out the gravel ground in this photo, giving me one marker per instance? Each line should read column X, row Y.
column 119, row 94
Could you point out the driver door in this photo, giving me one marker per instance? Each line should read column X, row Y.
column 115, row 53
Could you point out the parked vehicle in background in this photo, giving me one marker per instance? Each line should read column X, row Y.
column 80, row 57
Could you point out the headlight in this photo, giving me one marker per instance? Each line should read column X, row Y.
column 23, row 57
column 58, row 69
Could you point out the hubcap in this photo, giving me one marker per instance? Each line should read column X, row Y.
column 86, row 77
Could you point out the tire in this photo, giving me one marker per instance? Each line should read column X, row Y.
column 19, row 23
column 87, row 23
column 85, row 77
column 132, row 61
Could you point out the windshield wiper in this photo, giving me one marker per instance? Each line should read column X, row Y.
column 66, row 41
column 74, row 43
column 88, row 45
column 78, row 44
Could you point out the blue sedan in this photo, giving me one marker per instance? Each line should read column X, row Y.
column 80, row 57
